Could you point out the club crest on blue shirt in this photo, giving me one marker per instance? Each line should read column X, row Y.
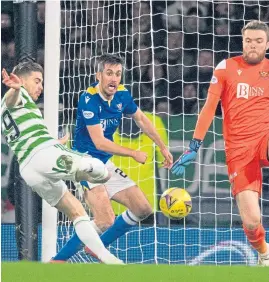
column 119, row 106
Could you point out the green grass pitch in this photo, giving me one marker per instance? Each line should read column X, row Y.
column 38, row 272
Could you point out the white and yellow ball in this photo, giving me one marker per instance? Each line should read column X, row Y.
column 175, row 203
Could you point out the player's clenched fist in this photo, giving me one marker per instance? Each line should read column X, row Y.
column 140, row 156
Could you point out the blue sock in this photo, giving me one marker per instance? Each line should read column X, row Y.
column 72, row 246
column 122, row 225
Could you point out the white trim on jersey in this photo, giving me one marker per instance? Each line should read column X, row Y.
column 221, row 65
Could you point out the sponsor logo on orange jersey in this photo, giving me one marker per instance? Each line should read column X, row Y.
column 244, row 90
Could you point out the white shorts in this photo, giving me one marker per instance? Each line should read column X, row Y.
column 119, row 181
column 47, row 169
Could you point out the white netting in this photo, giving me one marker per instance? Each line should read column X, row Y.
column 170, row 50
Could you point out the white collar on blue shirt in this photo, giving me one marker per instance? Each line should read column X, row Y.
column 101, row 95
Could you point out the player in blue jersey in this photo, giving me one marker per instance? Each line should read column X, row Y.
column 99, row 114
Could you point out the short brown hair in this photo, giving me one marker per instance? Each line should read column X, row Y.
column 110, row 59
column 257, row 25
column 27, row 67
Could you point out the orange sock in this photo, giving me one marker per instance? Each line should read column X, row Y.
column 256, row 238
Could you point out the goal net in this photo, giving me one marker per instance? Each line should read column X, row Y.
column 170, row 50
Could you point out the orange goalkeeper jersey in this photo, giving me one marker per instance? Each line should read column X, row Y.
column 244, row 93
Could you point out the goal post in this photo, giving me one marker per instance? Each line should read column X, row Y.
column 170, row 51
column 26, row 201
column 51, row 114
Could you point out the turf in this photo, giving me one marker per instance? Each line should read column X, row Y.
column 38, row 272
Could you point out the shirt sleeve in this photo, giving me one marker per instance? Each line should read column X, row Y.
column 21, row 100
column 89, row 110
column 217, row 85
column 131, row 106
column 206, row 116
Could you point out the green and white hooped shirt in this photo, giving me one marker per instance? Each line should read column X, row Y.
column 24, row 129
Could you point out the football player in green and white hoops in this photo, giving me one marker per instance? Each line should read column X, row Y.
column 44, row 162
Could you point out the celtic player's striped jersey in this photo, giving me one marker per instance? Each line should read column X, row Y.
column 24, row 128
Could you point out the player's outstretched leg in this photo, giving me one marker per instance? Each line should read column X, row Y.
column 123, row 223
column 99, row 203
column 131, row 197
column 83, row 227
column 139, row 209
column 72, row 246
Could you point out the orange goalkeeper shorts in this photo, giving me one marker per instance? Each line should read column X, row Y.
column 251, row 173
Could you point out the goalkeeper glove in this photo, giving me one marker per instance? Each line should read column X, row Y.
column 186, row 158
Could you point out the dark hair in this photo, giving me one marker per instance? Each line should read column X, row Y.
column 24, row 68
column 257, row 25
column 108, row 59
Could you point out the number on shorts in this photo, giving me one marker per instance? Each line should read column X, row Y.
column 10, row 126
column 121, row 173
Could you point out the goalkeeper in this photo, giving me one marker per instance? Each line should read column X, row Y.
column 44, row 162
column 242, row 85
column 100, row 111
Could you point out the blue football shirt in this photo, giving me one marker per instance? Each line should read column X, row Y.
column 94, row 109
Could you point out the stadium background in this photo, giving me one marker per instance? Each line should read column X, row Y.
column 188, row 40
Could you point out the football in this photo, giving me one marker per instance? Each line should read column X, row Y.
column 175, row 203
